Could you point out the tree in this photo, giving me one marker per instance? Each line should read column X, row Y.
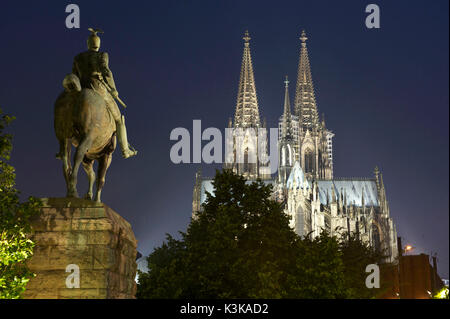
column 318, row 269
column 356, row 255
column 442, row 294
column 165, row 280
column 241, row 246
column 15, row 244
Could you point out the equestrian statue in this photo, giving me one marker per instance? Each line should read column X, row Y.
column 87, row 117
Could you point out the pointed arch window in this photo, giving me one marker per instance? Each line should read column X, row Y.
column 309, row 161
column 376, row 242
column 289, row 155
column 309, row 219
column 246, row 164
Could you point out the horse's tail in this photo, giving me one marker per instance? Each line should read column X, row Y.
column 71, row 83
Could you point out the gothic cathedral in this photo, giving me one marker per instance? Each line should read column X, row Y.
column 304, row 182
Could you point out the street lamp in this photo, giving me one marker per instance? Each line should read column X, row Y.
column 408, row 248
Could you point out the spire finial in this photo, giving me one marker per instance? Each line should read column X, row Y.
column 303, row 37
column 376, row 171
column 246, row 37
column 286, row 82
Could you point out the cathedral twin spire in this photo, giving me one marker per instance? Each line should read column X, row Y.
column 305, row 106
column 310, row 141
column 247, row 112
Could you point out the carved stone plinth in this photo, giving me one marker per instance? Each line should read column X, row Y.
column 86, row 234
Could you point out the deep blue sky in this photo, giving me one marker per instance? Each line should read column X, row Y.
column 384, row 93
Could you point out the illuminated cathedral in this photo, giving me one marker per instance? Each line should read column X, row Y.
column 304, row 182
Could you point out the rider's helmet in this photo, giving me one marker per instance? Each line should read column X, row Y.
column 93, row 42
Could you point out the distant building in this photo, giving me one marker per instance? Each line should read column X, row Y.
column 142, row 265
column 413, row 277
column 305, row 183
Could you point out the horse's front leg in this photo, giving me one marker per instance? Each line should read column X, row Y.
column 88, row 166
column 103, row 165
column 82, row 148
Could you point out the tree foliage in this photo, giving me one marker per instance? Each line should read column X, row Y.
column 356, row 255
column 442, row 294
column 241, row 246
column 15, row 245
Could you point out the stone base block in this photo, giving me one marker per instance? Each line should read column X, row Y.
column 71, row 231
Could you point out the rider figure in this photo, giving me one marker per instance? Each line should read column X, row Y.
column 92, row 69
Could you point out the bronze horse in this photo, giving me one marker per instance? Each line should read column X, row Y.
column 82, row 120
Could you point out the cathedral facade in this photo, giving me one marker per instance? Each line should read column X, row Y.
column 313, row 198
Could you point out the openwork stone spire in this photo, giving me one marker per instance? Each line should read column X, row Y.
column 247, row 113
column 305, row 100
column 287, row 118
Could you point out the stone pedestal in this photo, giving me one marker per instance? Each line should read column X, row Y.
column 86, row 234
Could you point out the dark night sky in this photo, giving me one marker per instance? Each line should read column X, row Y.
column 384, row 93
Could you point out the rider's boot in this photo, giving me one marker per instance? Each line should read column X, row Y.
column 127, row 149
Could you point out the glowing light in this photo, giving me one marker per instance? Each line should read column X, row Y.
column 442, row 294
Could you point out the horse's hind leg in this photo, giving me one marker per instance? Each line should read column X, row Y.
column 79, row 155
column 88, row 166
column 62, row 149
column 103, row 165
column 65, row 157
column 69, row 154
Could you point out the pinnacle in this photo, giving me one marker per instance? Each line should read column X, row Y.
column 287, row 131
